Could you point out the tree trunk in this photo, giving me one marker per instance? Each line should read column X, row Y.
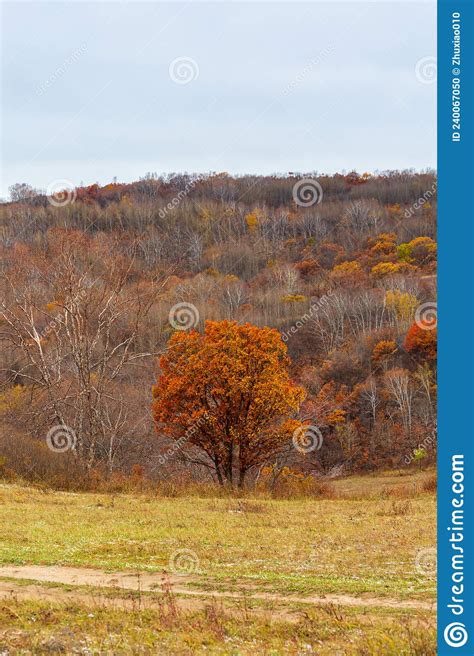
column 218, row 472
column 230, row 465
column 242, row 473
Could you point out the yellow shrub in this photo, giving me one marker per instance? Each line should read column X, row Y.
column 385, row 269
column 402, row 304
column 293, row 298
column 11, row 398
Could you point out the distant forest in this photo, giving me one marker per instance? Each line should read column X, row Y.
column 342, row 266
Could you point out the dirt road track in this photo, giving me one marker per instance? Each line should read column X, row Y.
column 153, row 582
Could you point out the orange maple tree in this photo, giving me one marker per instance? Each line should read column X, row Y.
column 421, row 342
column 227, row 395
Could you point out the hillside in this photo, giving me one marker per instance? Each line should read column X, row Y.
column 96, row 280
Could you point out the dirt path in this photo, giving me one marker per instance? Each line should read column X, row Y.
column 153, row 582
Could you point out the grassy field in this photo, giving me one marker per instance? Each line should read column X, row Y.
column 343, row 575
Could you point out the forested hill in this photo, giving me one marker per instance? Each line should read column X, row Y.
column 343, row 266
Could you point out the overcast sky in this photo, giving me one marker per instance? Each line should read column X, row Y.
column 89, row 95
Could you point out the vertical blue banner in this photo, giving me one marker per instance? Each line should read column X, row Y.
column 455, row 328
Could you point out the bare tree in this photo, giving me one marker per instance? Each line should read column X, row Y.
column 400, row 385
column 77, row 335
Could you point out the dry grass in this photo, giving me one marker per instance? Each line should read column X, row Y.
column 402, row 484
column 41, row 628
column 363, row 546
column 430, row 484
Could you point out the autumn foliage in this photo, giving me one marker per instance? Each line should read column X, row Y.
column 228, row 393
column 89, row 286
column 421, row 342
